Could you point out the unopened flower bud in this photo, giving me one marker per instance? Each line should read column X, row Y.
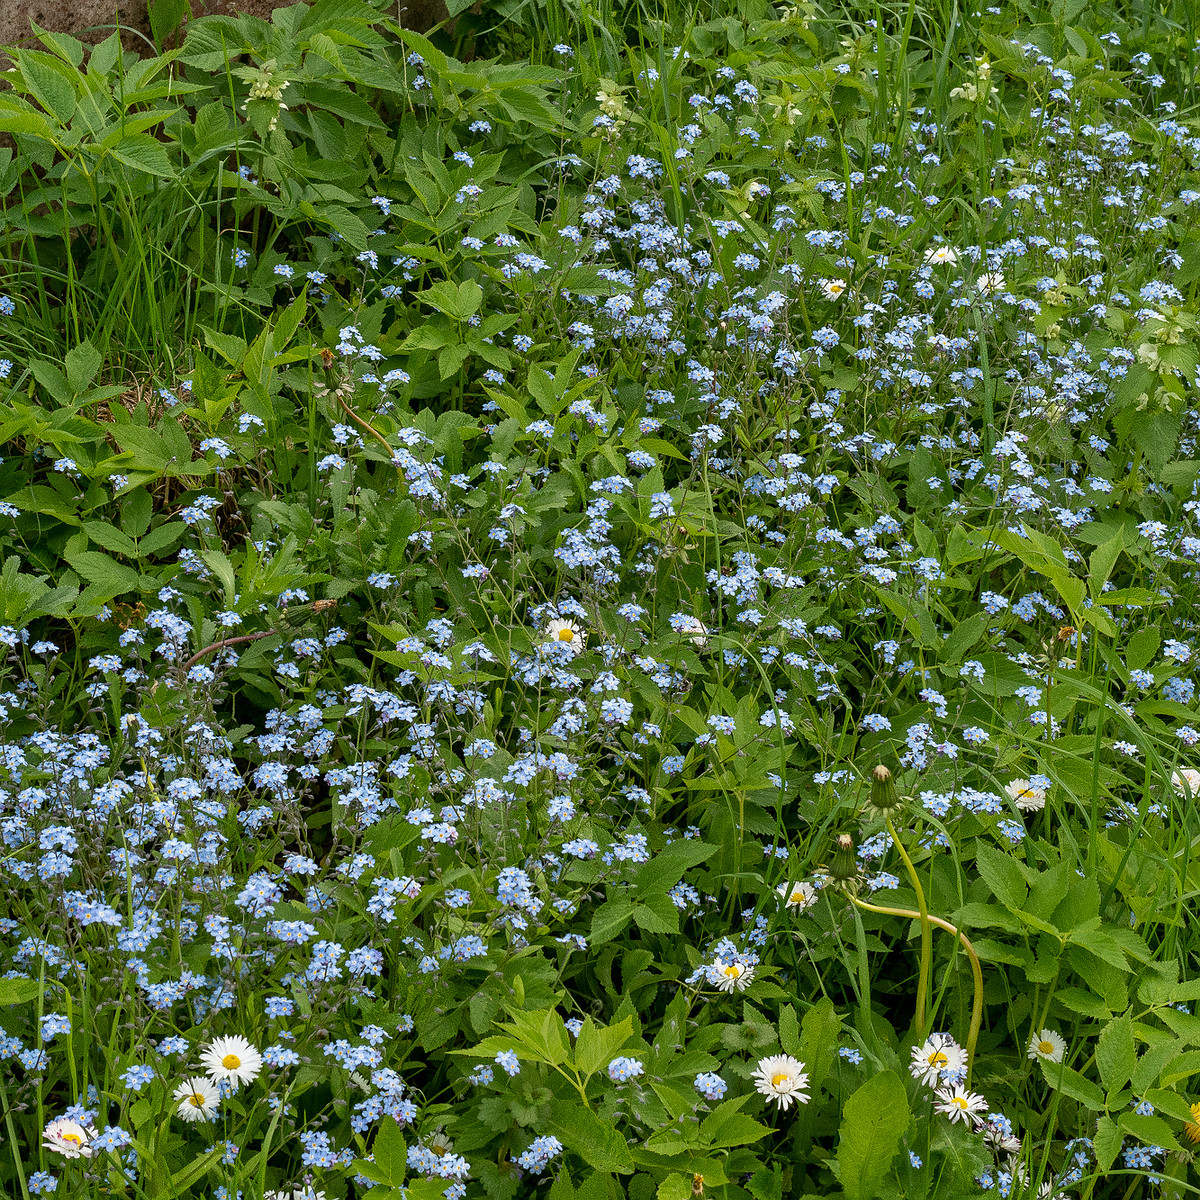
column 844, row 864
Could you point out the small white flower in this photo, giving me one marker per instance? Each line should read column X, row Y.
column 730, row 975
column 1048, row 1046
column 939, row 1060
column 231, row 1058
column 799, row 895
column 960, row 1105
column 198, row 1099
column 68, row 1138
column 783, row 1079
column 833, row 289
column 1025, row 796
column 566, row 632
column 1186, row 781
column 942, row 254
column 991, row 281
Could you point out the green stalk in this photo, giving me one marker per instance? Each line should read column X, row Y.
column 976, row 970
column 926, row 934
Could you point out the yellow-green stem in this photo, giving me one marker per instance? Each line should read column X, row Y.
column 976, row 970
column 926, row 933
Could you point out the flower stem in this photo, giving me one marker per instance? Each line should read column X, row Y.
column 926, row 934
column 976, row 970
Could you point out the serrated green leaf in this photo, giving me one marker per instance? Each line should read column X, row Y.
column 1116, row 1054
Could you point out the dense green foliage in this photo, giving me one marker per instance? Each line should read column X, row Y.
column 475, row 513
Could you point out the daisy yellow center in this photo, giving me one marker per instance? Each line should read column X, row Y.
column 566, row 635
column 733, row 971
column 938, row 1059
column 959, row 1101
column 71, row 1137
column 1045, row 1047
column 797, row 896
column 781, row 1078
column 231, row 1062
column 196, row 1100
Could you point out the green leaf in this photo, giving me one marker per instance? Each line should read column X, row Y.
column 82, row 363
column 1106, row 1143
column 1068, row 1081
column 19, row 991
column 1141, row 648
column 594, row 1140
column 103, row 534
column 818, row 1035
column 610, row 919
column 1116, row 1054
column 343, row 221
column 144, row 153
column 1102, row 561
column 962, row 637
column 1151, row 1130
column 873, row 1121
column 166, row 17
column 459, row 302
column 789, row 1032
column 726, row 1126
column 391, row 1153
column 1001, row 873
column 666, row 868
column 597, row 1045
column 109, row 575
column 50, row 81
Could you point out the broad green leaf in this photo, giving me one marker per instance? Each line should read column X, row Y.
column 1149, row 1130
column 600, row 1145
column 1107, row 1143
column 873, row 1122
column 82, row 363
column 51, row 82
column 110, row 576
column 144, row 153
column 1116, row 1054
column 789, row 1032
column 1001, row 873
column 597, row 1045
column 1069, row 1081
column 19, row 991
column 391, row 1152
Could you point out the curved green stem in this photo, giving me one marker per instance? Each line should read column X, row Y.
column 976, row 970
column 926, row 933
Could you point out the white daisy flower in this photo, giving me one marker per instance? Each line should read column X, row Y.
column 1186, row 782
column 231, row 1058
column 730, row 974
column 68, row 1138
column 1025, row 796
column 959, row 1104
column 833, row 289
column 939, row 1060
column 1048, row 1046
column 991, row 281
column 198, row 1099
column 566, row 632
column 942, row 254
column 782, row 1078
column 798, row 895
